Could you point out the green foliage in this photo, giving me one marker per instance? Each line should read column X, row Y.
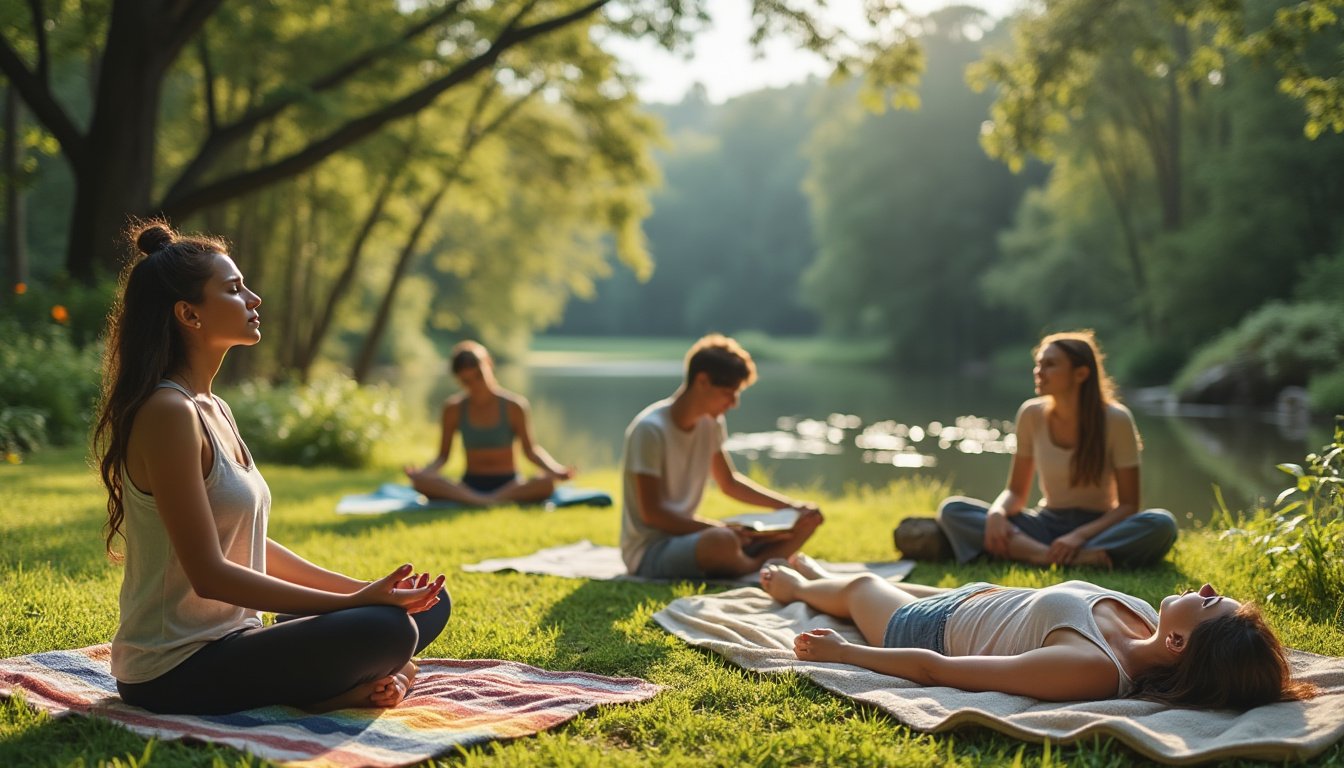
column 48, row 387
column 329, row 422
column 1295, row 550
column 80, row 309
column 1279, row 345
column 729, row 230
column 1325, row 392
column 907, row 210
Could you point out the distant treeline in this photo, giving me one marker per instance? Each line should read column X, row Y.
column 1171, row 203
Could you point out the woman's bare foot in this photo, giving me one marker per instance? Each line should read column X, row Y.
column 1097, row 557
column 781, row 582
column 804, row 564
column 380, row 694
column 408, row 673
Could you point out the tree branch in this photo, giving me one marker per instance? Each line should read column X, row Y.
column 185, row 18
column 180, row 202
column 40, row 34
column 221, row 138
column 38, row 97
column 208, row 78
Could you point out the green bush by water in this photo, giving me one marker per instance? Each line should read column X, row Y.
column 332, row 422
column 1277, row 346
column 1295, row 550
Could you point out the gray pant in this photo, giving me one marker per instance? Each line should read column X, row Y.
column 1140, row 539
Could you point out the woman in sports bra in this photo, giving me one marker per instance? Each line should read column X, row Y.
column 192, row 508
column 489, row 418
column 1069, row 642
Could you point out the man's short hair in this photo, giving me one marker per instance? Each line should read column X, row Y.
column 722, row 359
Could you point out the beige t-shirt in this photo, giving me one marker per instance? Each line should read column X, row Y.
column 1053, row 462
column 679, row 459
column 163, row 620
column 1008, row 621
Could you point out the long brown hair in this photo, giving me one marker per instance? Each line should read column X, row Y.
column 1094, row 394
column 1231, row 662
column 143, row 344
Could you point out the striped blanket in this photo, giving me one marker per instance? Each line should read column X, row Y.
column 453, row 704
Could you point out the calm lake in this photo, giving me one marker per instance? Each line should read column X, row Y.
column 834, row 426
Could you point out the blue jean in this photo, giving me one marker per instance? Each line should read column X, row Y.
column 923, row 623
column 1141, row 539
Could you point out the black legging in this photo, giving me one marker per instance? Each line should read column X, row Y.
column 297, row 661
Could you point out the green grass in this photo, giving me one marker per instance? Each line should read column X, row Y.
column 58, row 591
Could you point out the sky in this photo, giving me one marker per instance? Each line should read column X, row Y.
column 723, row 60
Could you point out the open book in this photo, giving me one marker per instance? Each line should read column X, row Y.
column 765, row 522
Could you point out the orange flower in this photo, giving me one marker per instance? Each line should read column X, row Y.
column 20, row 289
column 60, row 314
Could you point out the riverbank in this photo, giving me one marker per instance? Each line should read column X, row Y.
column 58, row 591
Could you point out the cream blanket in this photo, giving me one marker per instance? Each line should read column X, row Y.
column 751, row 630
column 586, row 560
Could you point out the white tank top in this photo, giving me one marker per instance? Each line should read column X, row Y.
column 163, row 620
column 1008, row 621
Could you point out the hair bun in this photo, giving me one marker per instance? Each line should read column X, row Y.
column 153, row 237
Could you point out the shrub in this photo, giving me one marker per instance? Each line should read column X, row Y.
column 78, row 308
column 1295, row 549
column 1277, row 346
column 48, row 387
column 334, row 421
column 1326, row 392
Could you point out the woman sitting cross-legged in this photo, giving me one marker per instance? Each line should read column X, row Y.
column 187, row 497
column 491, row 419
column 1070, row 642
column 1083, row 445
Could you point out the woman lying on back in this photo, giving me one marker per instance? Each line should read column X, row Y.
column 1069, row 642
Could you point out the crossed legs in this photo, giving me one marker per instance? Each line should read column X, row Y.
column 722, row 552
column 436, row 486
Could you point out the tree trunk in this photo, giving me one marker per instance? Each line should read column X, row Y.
column 16, row 231
column 322, row 325
column 116, row 174
column 369, row 349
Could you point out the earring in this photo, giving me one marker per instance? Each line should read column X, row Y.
column 198, row 323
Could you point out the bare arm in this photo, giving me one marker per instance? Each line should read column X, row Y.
column 522, row 427
column 649, row 504
column 740, row 488
column 1063, row 549
column 1062, row 672
column 168, row 440
column 284, row 564
column 449, row 420
column 1010, row 502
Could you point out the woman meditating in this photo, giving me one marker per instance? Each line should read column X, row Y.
column 1084, row 448
column 490, row 419
column 1070, row 642
column 186, row 496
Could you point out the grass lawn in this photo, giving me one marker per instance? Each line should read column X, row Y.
column 58, row 591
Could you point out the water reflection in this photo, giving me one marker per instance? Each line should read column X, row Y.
column 829, row 426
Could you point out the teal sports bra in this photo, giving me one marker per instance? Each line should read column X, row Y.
column 497, row 435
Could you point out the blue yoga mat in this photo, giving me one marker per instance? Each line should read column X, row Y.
column 393, row 497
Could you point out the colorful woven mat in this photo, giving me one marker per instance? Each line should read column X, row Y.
column 453, row 704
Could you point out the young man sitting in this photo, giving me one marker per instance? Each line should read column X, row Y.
column 671, row 448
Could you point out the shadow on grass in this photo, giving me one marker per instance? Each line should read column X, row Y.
column 590, row 637
column 77, row 740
